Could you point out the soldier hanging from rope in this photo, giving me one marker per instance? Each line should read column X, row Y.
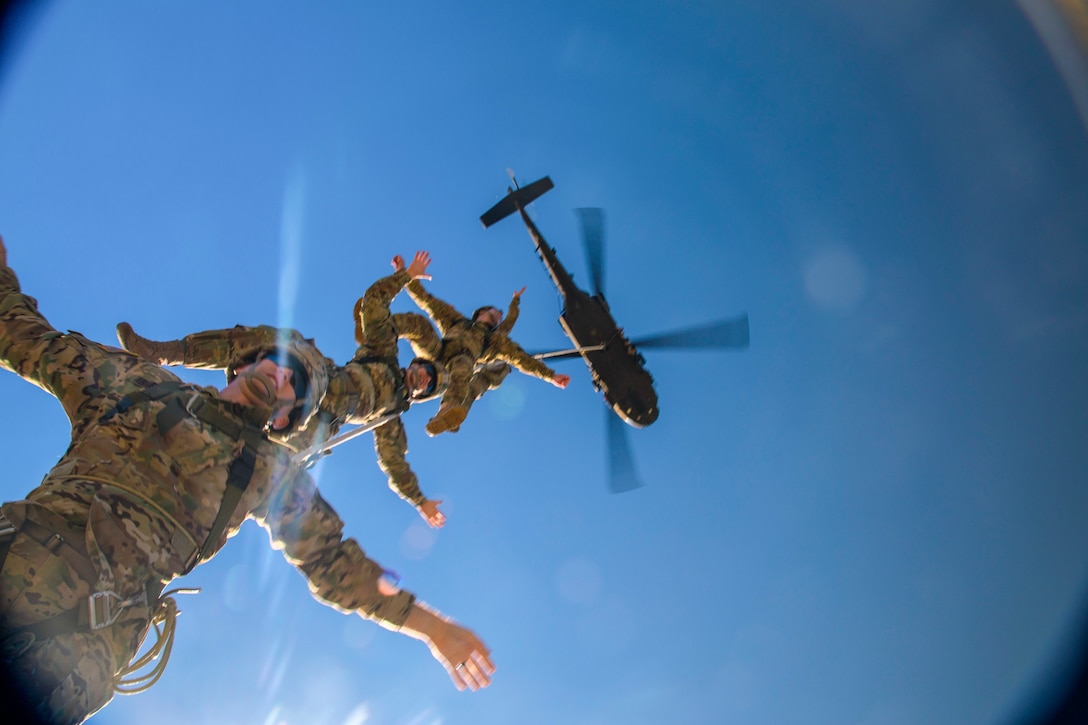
column 476, row 352
column 158, row 475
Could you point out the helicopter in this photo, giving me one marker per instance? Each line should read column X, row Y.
column 617, row 368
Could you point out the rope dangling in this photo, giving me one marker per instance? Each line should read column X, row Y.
column 164, row 621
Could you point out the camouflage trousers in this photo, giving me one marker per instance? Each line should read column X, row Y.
column 487, row 377
column 66, row 672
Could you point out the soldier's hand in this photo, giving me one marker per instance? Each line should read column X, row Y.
column 519, row 293
column 430, row 513
column 465, row 657
column 418, row 268
column 561, row 381
column 398, row 263
column 3, row 253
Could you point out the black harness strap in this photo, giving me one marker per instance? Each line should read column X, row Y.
column 58, row 545
column 239, row 475
column 81, row 617
column 152, row 392
column 241, row 469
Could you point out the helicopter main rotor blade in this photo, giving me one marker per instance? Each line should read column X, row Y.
column 729, row 333
column 621, row 464
column 592, row 220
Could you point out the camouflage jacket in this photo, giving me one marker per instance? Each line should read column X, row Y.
column 147, row 493
column 462, row 336
column 366, row 388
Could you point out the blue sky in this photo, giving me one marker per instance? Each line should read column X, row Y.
column 874, row 515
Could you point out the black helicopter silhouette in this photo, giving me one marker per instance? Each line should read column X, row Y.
column 615, row 363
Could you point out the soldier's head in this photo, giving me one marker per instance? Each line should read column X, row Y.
column 300, row 365
column 488, row 315
column 268, row 384
column 425, row 379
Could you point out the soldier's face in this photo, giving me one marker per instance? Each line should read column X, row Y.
column 280, row 379
column 417, row 379
column 492, row 316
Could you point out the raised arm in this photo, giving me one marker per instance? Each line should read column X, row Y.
column 373, row 320
column 25, row 334
column 443, row 313
column 63, row 365
column 507, row 325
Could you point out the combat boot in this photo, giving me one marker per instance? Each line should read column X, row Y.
column 448, row 419
column 160, row 353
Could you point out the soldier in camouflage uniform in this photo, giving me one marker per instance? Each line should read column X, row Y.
column 159, row 474
column 482, row 339
column 370, row 386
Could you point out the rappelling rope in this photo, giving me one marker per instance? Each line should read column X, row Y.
column 165, row 622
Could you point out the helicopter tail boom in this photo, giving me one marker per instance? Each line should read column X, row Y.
column 516, row 199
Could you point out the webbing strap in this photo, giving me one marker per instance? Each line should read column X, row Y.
column 241, row 469
column 153, row 392
column 57, row 544
column 238, row 477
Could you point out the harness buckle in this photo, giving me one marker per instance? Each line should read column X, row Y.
column 105, row 608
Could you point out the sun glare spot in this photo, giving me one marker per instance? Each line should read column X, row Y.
column 417, row 540
column 291, row 246
column 274, row 717
column 506, row 402
column 359, row 715
column 427, row 717
column 579, row 581
column 836, row 280
column 235, row 589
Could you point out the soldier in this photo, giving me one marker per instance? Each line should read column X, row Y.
column 482, row 339
column 158, row 475
column 371, row 386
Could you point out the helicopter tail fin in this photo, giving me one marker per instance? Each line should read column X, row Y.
column 516, row 199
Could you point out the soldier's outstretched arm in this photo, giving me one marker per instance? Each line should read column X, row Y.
column 465, row 657
column 443, row 313
column 310, row 534
column 391, row 445
column 505, row 349
column 420, row 334
column 507, row 325
column 24, row 332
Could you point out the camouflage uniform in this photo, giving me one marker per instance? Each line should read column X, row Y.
column 131, row 505
column 466, row 342
column 370, row 386
column 425, row 342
